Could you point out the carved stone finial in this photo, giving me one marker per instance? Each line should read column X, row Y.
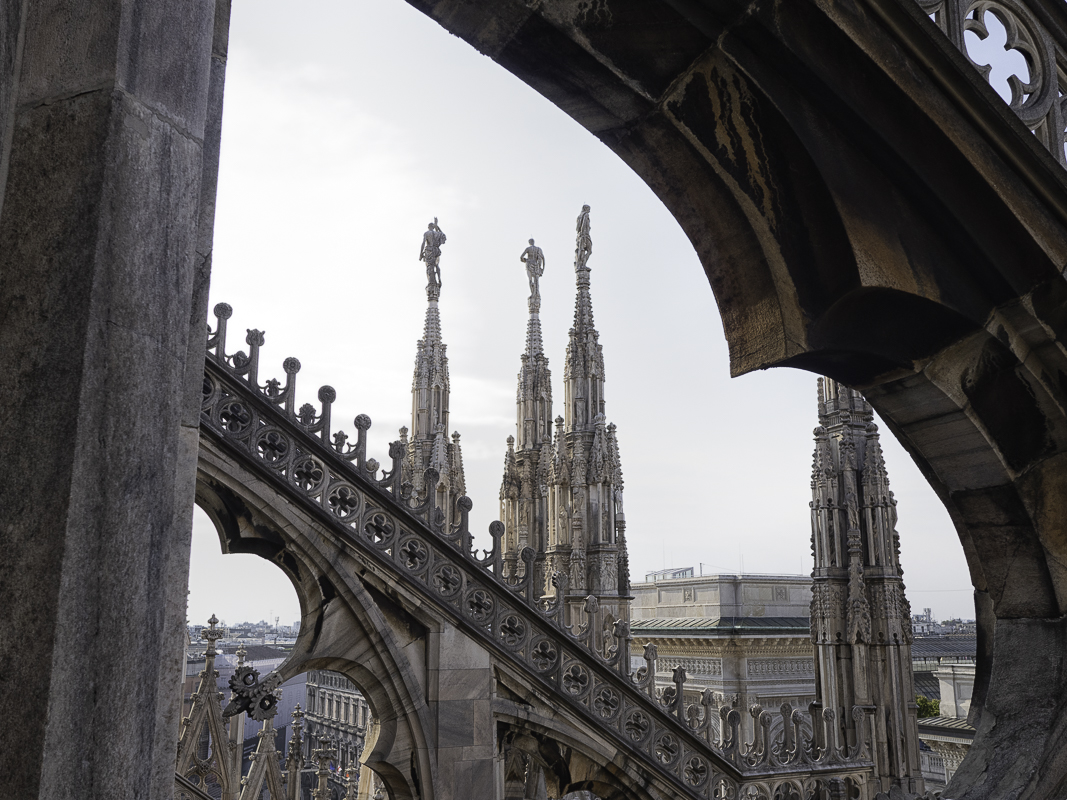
column 351, row 781
column 212, row 634
column 324, row 754
column 241, row 653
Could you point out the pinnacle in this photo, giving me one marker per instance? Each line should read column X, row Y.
column 583, row 306
column 432, row 328
column 534, row 345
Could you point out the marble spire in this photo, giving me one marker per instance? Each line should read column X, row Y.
column 583, row 373
column 585, row 521
column 522, row 491
column 860, row 617
column 561, row 493
column 429, row 445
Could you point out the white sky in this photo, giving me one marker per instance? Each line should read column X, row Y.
column 347, row 127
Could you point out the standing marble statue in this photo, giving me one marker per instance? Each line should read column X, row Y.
column 585, row 241
column 534, row 259
column 430, row 253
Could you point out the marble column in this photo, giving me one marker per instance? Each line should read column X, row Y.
column 109, row 128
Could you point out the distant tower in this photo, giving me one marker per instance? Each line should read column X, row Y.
column 860, row 618
column 585, row 533
column 430, row 446
column 524, row 489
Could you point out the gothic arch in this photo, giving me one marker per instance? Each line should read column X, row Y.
column 347, row 625
column 569, row 757
column 864, row 207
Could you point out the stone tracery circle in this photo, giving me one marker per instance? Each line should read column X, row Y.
column 544, row 655
column 667, row 748
column 479, row 605
column 512, row 631
column 271, row 446
column 234, row 417
column 446, row 580
column 575, row 679
column 607, row 702
column 696, row 771
column 414, row 554
column 637, row 726
column 308, row 474
column 380, row 529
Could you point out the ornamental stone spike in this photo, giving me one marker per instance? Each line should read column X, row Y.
column 584, row 367
column 351, row 781
column 212, row 634
column 323, row 755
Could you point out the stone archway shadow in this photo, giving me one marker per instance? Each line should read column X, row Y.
column 864, row 207
column 343, row 629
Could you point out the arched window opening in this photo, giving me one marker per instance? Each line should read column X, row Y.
column 322, row 719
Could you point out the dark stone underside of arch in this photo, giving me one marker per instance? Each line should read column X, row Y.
column 864, row 207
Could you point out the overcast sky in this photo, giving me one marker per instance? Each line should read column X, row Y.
column 349, row 126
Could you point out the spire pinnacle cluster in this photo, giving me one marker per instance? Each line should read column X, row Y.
column 561, row 494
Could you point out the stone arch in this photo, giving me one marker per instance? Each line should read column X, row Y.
column 347, row 626
column 570, row 758
column 864, row 208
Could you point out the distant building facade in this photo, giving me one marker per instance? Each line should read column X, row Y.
column 944, row 671
column 337, row 712
column 744, row 637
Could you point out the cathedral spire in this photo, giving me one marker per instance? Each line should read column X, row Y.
column 534, row 395
column 430, row 385
column 584, row 369
column 587, row 540
column 429, row 445
column 860, row 617
column 561, row 493
column 522, row 504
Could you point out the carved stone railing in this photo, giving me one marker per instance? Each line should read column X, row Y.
column 697, row 747
column 185, row 789
column 1038, row 34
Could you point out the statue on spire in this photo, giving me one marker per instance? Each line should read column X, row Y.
column 584, row 247
column 534, row 259
column 430, row 253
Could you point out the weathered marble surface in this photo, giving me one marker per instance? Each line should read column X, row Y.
column 109, row 120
